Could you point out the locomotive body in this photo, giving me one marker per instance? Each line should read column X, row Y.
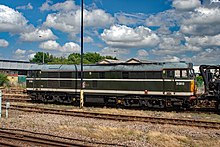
column 140, row 84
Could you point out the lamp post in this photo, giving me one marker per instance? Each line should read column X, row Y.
column 81, row 81
column 43, row 57
column 42, row 52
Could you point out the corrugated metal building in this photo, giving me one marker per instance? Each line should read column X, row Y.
column 16, row 70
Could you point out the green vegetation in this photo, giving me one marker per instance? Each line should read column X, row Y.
column 199, row 81
column 3, row 79
column 75, row 58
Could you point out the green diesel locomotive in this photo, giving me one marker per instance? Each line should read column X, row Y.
column 156, row 85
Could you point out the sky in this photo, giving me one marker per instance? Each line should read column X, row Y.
column 150, row 30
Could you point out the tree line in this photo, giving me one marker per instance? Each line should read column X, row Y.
column 74, row 58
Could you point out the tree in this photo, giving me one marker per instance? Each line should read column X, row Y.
column 3, row 79
column 110, row 57
column 93, row 57
column 38, row 57
column 88, row 58
column 58, row 60
column 74, row 58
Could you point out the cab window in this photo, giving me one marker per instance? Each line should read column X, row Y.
column 184, row 74
column 177, row 73
column 169, row 74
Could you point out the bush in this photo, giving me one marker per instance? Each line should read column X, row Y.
column 3, row 79
column 199, row 81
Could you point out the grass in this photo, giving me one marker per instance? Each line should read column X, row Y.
column 103, row 132
column 155, row 135
column 164, row 140
column 155, row 138
column 172, row 140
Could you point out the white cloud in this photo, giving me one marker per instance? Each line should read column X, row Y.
column 65, row 6
column 209, row 56
column 173, row 44
column 176, row 50
column 167, row 18
column 204, row 41
column 63, row 22
column 203, row 21
column 50, row 45
column 169, row 58
column 69, row 47
column 142, row 53
column 25, row 7
column 97, row 18
column 31, row 56
column 121, row 36
column 20, row 52
column 114, row 52
column 69, row 22
column 12, row 21
column 129, row 19
column 163, row 30
column 38, row 35
column 204, row 15
column 87, row 39
column 185, row 5
column 3, row 43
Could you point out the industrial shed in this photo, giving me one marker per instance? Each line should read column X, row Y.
column 15, row 70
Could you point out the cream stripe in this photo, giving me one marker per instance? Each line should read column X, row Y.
column 114, row 91
column 130, row 80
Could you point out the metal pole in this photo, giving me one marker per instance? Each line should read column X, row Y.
column 0, row 103
column 43, row 57
column 81, row 82
column 7, row 107
column 43, row 54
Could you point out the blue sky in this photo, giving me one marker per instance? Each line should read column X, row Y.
column 153, row 30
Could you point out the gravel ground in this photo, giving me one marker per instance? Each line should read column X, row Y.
column 126, row 133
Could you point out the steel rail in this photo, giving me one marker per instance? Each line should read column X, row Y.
column 25, row 138
column 16, row 99
column 119, row 117
column 4, row 143
column 61, row 137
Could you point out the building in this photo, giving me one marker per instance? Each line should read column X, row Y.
column 131, row 61
column 109, row 61
column 15, row 70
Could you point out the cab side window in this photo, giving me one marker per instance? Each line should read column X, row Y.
column 177, row 73
column 184, row 74
column 169, row 74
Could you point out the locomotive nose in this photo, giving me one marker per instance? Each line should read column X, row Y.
column 192, row 86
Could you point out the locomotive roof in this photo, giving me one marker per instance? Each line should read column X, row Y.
column 115, row 67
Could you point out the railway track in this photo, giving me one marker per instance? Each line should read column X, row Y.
column 14, row 95
column 116, row 117
column 17, row 138
column 16, row 100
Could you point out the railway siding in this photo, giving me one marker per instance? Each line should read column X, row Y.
column 117, row 117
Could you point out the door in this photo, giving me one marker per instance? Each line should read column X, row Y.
column 169, row 82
